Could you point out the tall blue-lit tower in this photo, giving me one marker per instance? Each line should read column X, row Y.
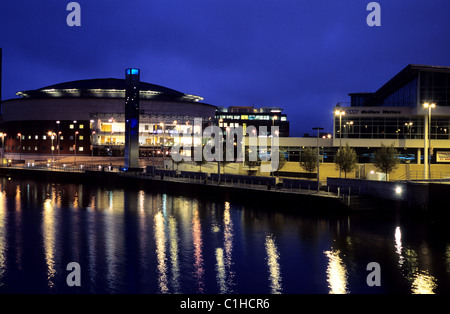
column 132, row 80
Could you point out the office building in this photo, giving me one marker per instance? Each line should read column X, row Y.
column 242, row 116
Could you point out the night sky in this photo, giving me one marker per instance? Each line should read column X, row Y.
column 304, row 56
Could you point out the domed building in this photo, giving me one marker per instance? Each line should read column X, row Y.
column 87, row 117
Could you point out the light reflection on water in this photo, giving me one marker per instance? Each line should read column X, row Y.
column 3, row 235
column 273, row 265
column 135, row 241
column 49, row 239
column 408, row 260
column 336, row 273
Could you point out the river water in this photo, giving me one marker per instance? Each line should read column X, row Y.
column 133, row 241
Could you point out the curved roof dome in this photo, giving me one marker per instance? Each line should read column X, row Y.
column 105, row 88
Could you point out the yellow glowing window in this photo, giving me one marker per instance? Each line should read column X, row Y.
column 106, row 127
column 71, row 126
column 81, row 126
column 244, row 117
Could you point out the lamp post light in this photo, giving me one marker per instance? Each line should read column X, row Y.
column 318, row 158
column 3, row 145
column 20, row 145
column 340, row 114
column 409, row 126
column 51, row 134
column 75, row 149
column 92, row 143
column 273, row 123
column 427, row 140
column 110, row 143
column 58, row 134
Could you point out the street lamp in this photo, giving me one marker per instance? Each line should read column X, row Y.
column 3, row 145
column 92, row 143
column 58, row 134
column 409, row 125
column 318, row 157
column 427, row 140
column 50, row 133
column 20, row 145
column 273, row 122
column 340, row 114
column 110, row 142
column 75, row 149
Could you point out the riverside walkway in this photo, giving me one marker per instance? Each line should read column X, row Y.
column 301, row 194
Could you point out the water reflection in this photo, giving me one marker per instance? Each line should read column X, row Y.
column 398, row 245
column 274, row 265
column 199, row 271
column 173, row 233
column 3, row 234
column 408, row 260
column 336, row 273
column 137, row 241
column 224, row 256
column 18, row 226
column 423, row 283
column 160, row 239
column 49, row 239
column 113, row 236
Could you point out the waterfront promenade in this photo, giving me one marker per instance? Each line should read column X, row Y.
column 336, row 195
column 256, row 189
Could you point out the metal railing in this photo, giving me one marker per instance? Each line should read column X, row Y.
column 64, row 168
column 435, row 176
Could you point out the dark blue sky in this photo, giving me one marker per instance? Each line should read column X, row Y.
column 304, row 56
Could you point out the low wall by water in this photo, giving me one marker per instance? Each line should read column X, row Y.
column 413, row 195
column 264, row 196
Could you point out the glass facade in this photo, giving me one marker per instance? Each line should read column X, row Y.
column 414, row 85
column 390, row 127
column 405, row 96
column 411, row 88
column 435, row 88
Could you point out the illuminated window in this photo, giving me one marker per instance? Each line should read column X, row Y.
column 283, row 119
column 81, row 126
column 29, row 137
column 71, row 126
column 61, row 137
column 244, row 117
column 36, row 137
column 80, row 149
column 81, row 137
column 35, row 148
column 44, row 137
column 106, row 127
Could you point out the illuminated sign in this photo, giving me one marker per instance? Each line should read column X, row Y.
column 443, row 156
column 373, row 112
